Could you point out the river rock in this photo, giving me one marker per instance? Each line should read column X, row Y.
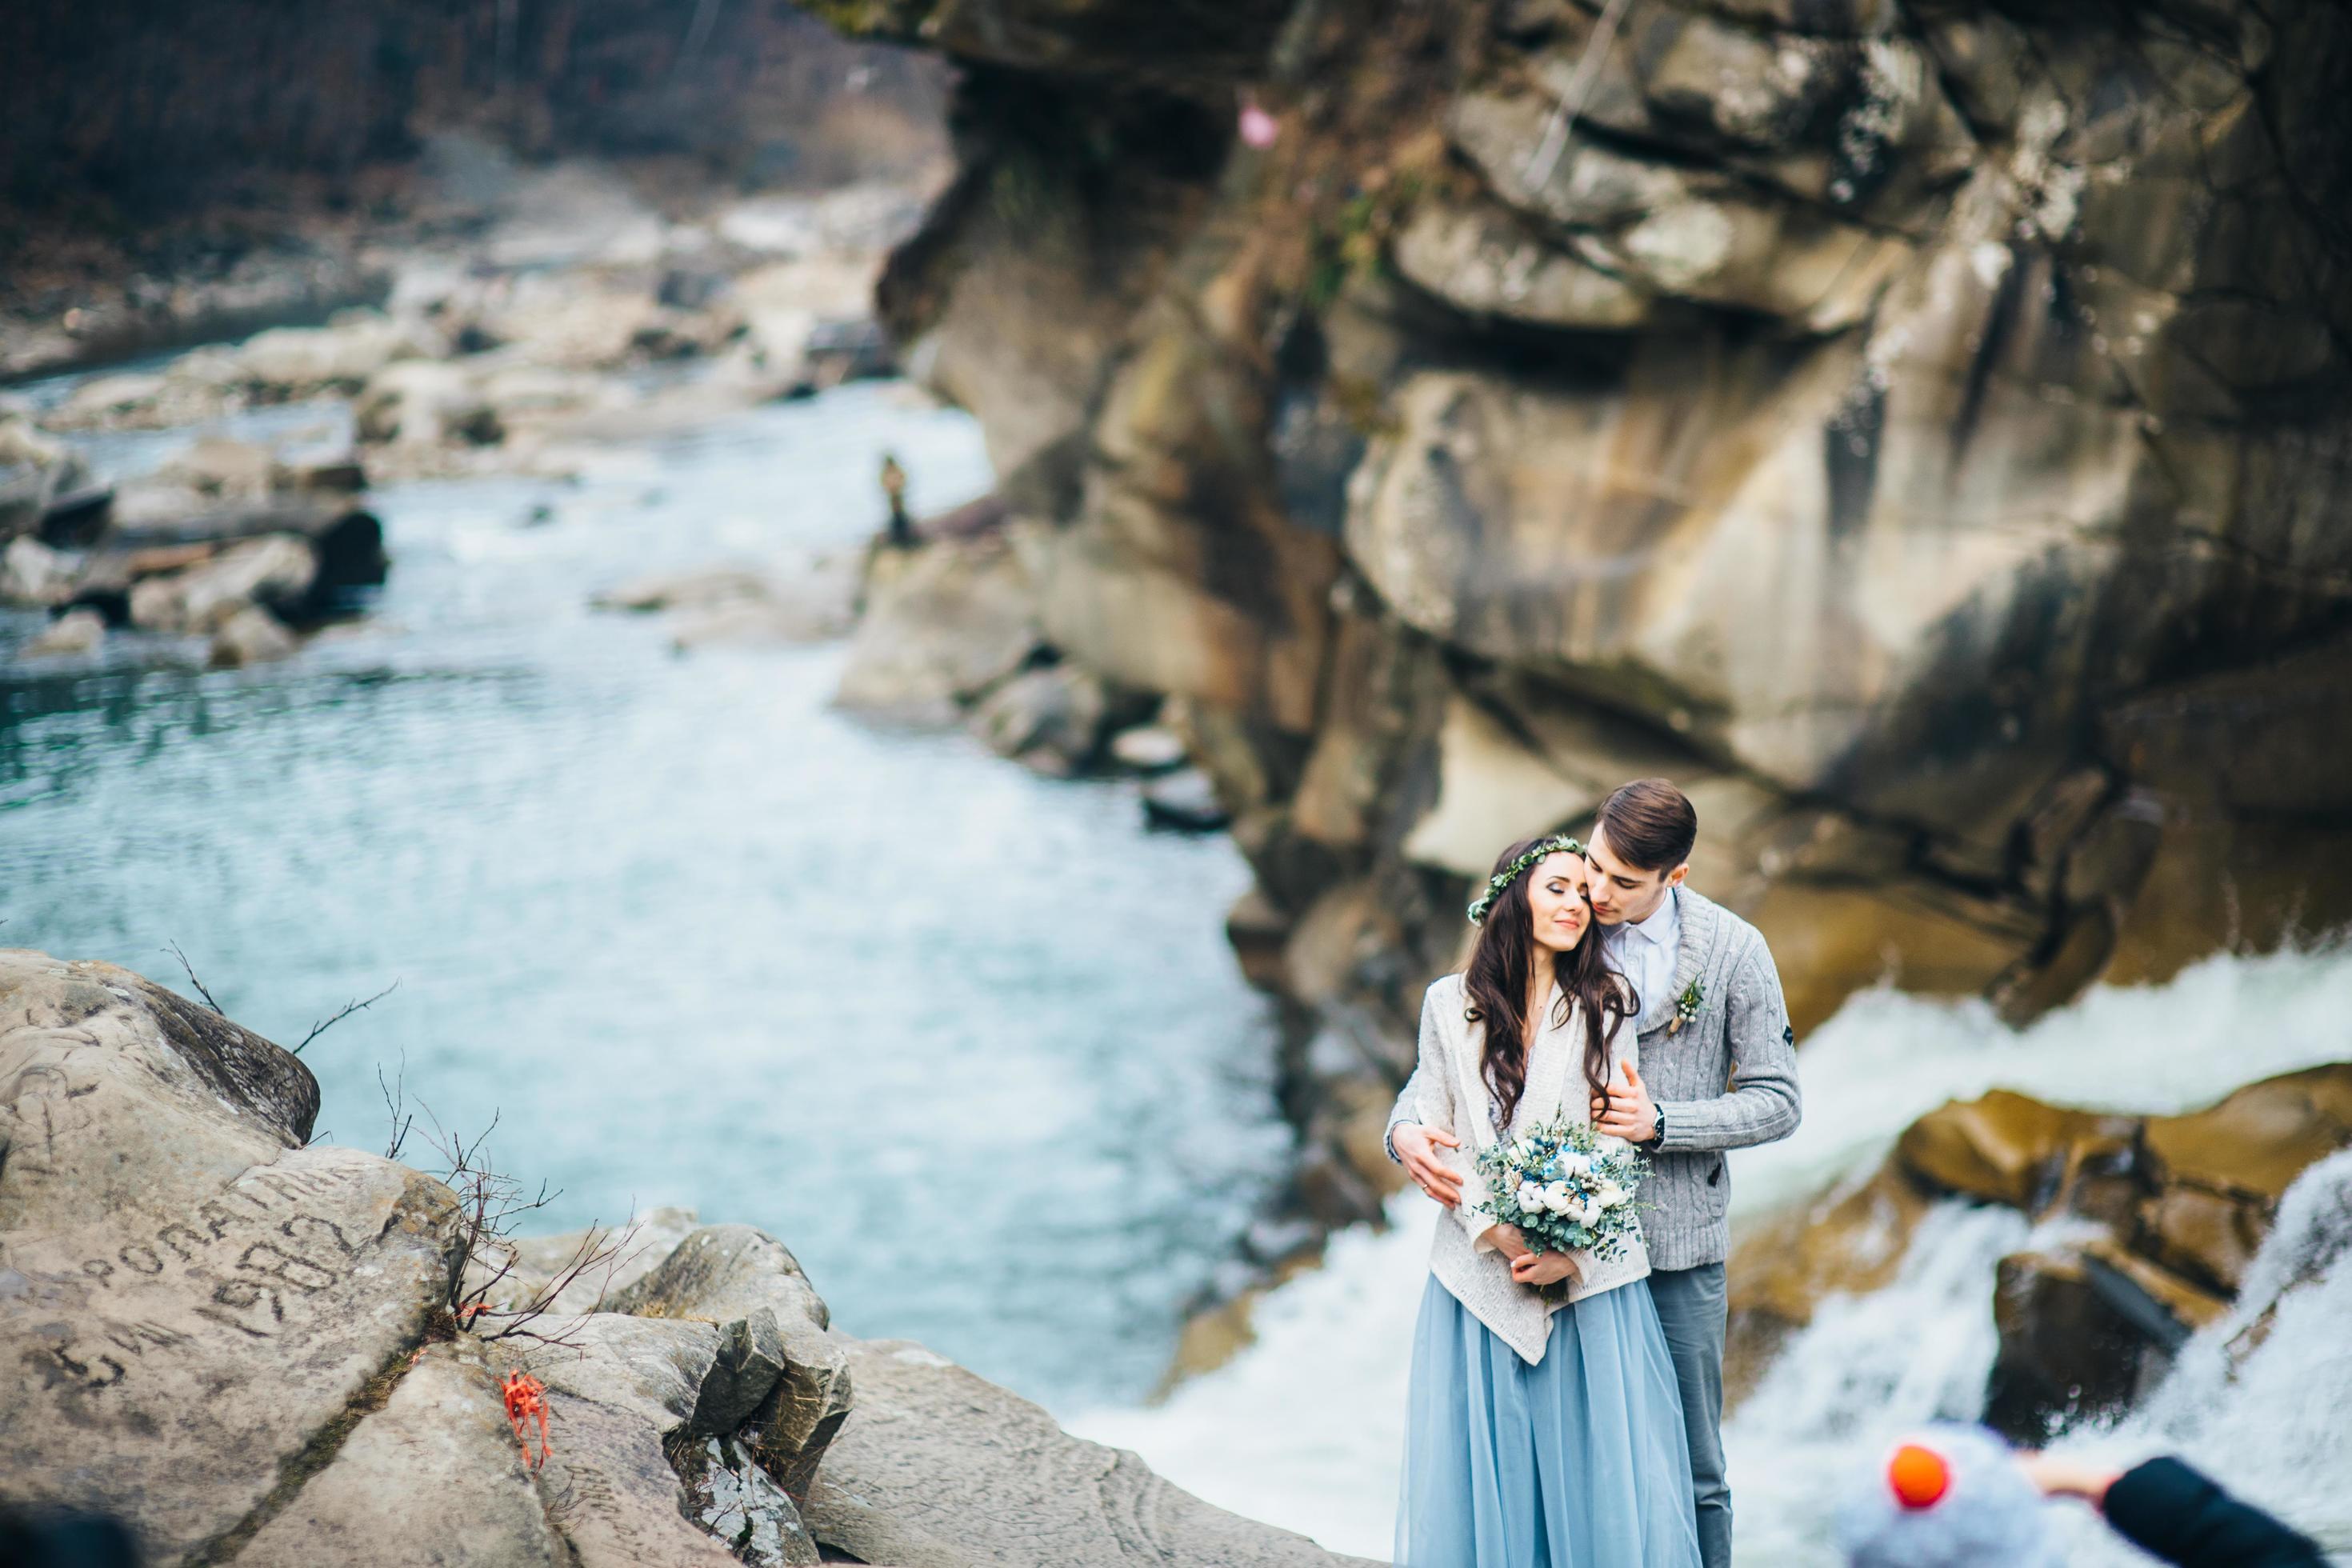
column 250, row 1338
column 221, row 469
column 77, row 631
column 731, row 605
column 107, row 397
column 182, row 1263
column 33, row 573
column 1148, row 749
column 1049, row 718
column 1185, row 800
column 942, row 1469
column 420, row 402
column 42, row 486
column 2011, row 1149
column 2149, row 1223
column 250, row 635
column 287, row 362
column 941, row 625
column 277, row 569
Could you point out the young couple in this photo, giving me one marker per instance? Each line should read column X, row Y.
column 1584, row 1432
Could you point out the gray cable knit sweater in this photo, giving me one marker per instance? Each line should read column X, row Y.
column 1724, row 1081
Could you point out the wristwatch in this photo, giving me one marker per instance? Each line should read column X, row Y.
column 1657, row 1136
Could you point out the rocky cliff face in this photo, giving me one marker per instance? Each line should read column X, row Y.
column 1920, row 427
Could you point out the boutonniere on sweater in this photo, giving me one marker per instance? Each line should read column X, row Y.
column 1686, row 1007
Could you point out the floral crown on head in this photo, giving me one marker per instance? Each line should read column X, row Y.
column 1511, row 873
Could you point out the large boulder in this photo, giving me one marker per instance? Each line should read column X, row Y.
column 275, row 570
column 942, row 1469
column 195, row 1294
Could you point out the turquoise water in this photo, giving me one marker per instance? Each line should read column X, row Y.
column 970, row 1041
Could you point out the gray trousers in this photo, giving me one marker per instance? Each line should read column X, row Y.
column 1691, row 1309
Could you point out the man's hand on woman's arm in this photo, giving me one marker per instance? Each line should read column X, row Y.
column 1416, row 1146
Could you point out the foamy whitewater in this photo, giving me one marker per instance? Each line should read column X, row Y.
column 1305, row 1427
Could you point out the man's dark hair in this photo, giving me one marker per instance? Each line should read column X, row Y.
column 1650, row 823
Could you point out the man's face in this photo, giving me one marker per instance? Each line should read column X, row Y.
column 1622, row 891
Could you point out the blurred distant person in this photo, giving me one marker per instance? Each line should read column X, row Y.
column 1957, row 1497
column 894, row 487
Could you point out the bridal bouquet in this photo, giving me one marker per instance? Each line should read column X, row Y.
column 1566, row 1187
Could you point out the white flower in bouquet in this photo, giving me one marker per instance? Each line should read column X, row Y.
column 1573, row 1188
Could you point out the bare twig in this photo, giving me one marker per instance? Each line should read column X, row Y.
column 347, row 1009
column 600, row 1249
column 396, row 1099
column 199, row 984
column 489, row 1203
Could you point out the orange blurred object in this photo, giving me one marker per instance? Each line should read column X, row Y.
column 525, row 1398
column 1919, row 1475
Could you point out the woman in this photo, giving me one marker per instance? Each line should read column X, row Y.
column 1540, row 1434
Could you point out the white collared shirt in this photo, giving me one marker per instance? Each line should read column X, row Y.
column 1646, row 954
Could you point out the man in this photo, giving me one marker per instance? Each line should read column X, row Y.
column 894, row 487
column 1718, row 1072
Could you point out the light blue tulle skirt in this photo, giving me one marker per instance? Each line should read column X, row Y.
column 1579, row 1461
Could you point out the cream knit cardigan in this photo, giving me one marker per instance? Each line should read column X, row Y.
column 1447, row 1090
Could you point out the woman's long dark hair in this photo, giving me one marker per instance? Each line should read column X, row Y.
column 1495, row 990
